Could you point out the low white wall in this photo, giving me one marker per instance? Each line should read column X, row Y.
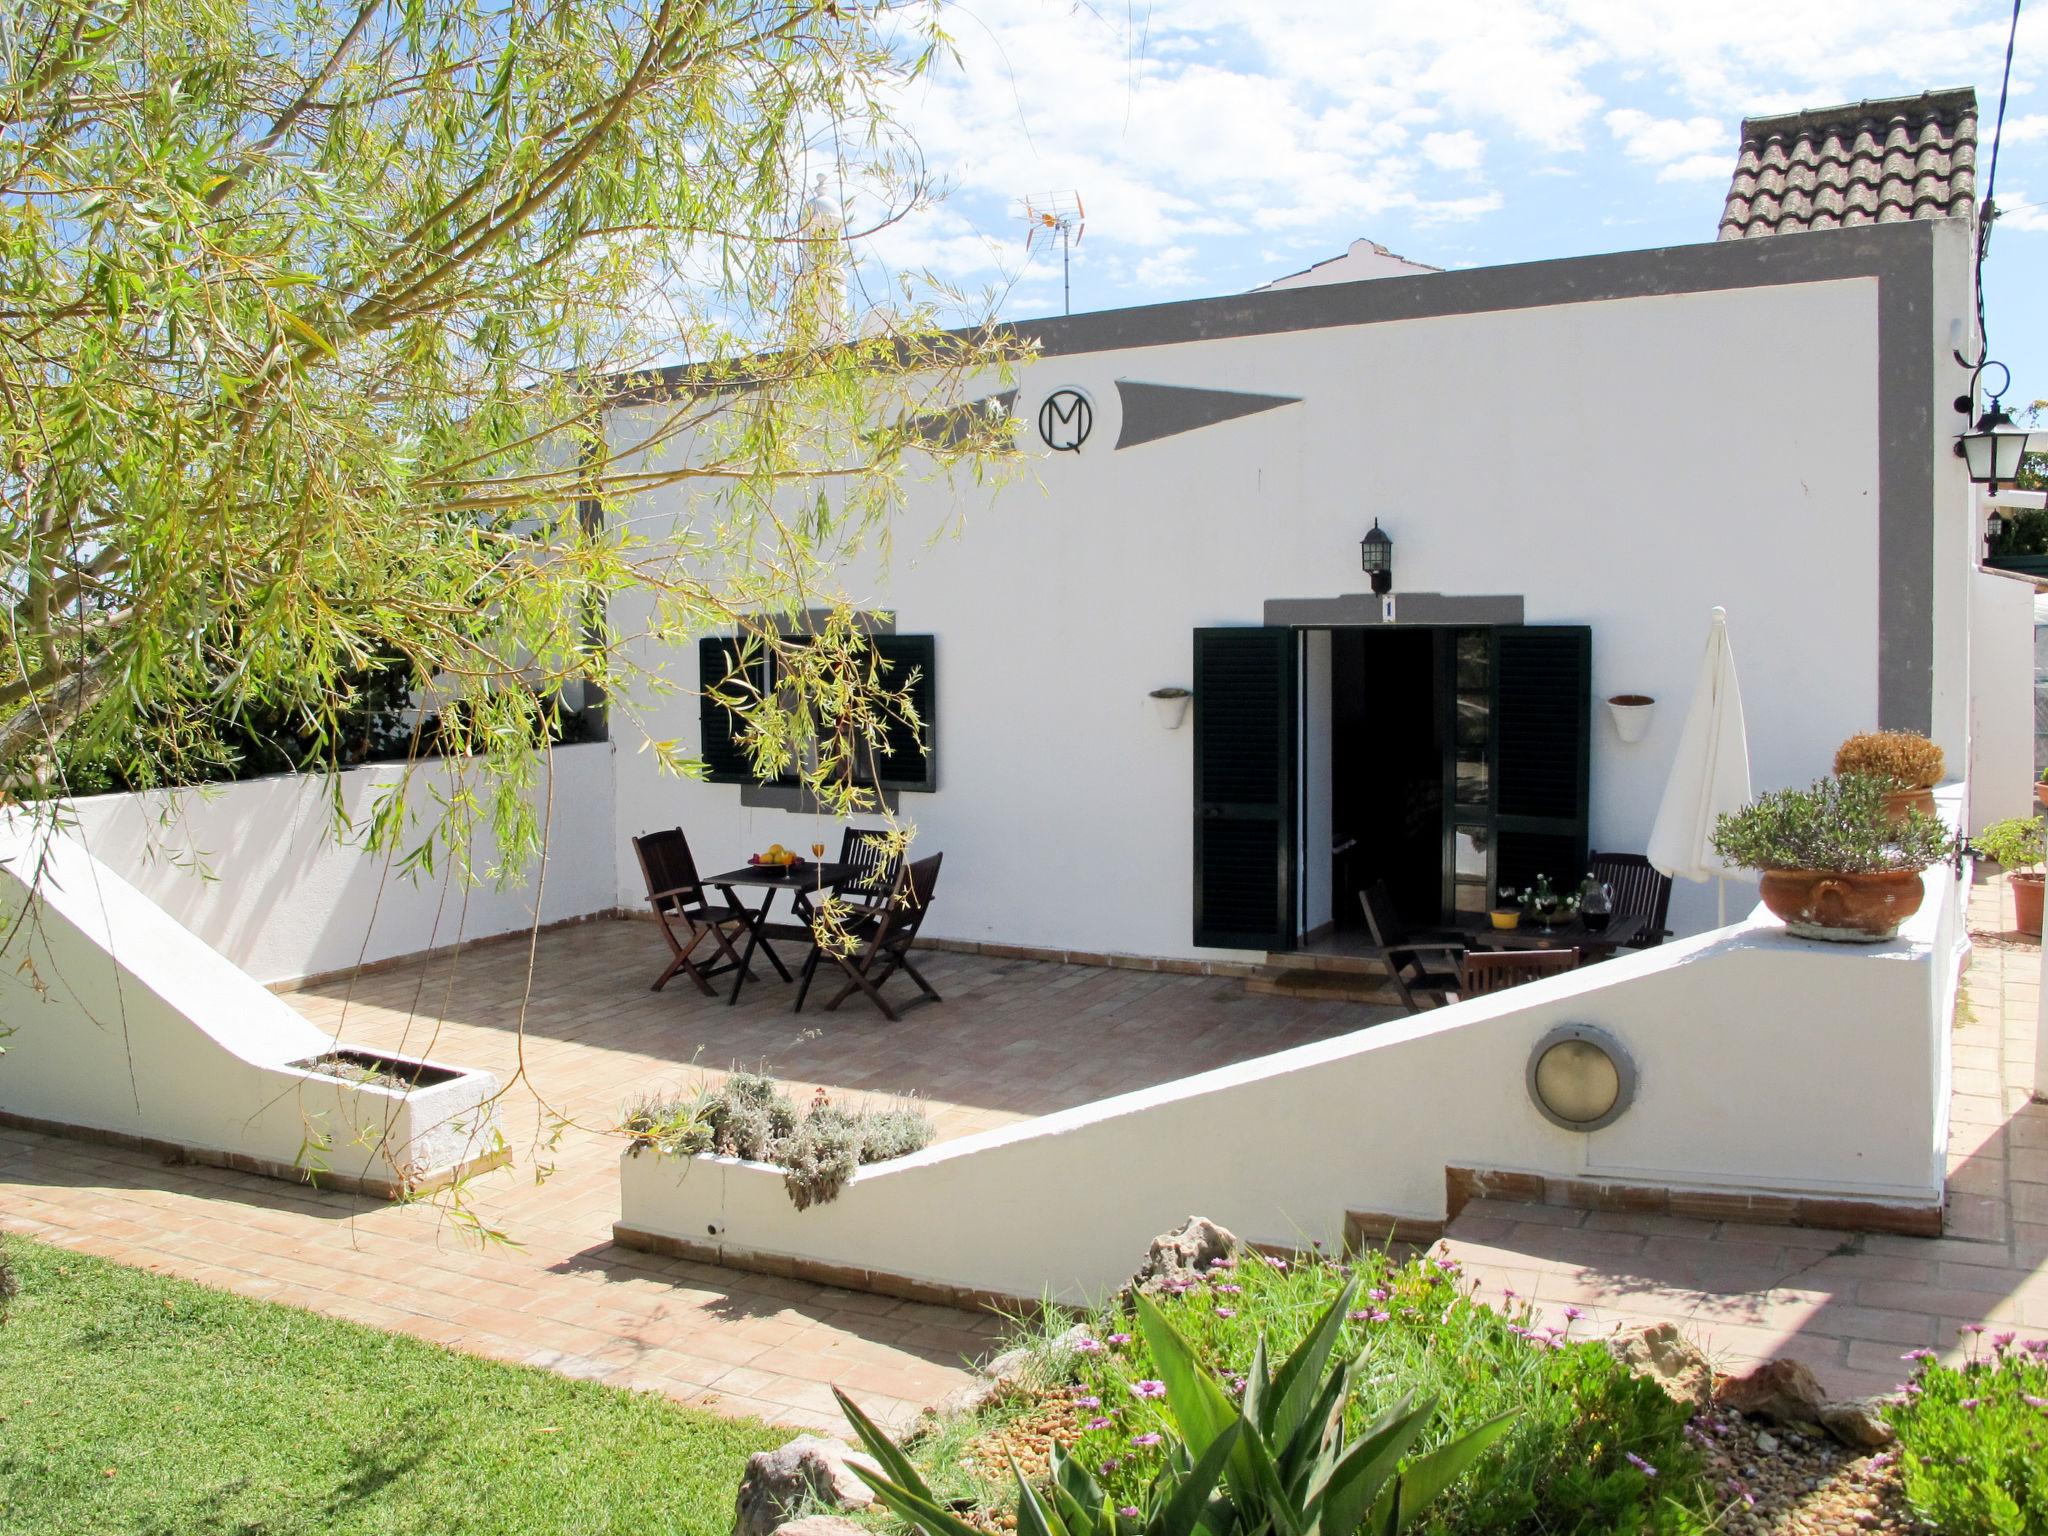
column 1765, row 1062
column 119, row 1020
column 2001, row 766
column 256, row 872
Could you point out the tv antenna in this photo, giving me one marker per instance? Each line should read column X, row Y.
column 1057, row 216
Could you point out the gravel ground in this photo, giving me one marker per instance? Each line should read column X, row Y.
column 1772, row 1482
column 1781, row 1483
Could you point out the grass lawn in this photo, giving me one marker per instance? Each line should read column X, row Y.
column 132, row 1403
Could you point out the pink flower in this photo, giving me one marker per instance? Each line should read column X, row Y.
column 1918, row 1354
column 1226, row 1312
column 1118, row 1340
column 1572, row 1315
column 1381, row 1293
column 1100, row 1423
column 2002, row 1341
column 2032, row 1401
column 1230, row 1290
column 1145, row 1440
column 1149, row 1388
column 1088, row 1346
column 1971, row 1402
column 1128, row 1511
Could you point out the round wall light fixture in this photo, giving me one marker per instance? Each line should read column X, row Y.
column 1581, row 1078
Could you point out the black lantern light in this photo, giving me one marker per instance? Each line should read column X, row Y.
column 1376, row 555
column 1994, row 447
column 1994, row 530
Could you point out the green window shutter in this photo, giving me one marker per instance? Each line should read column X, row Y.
column 1543, row 713
column 1245, row 747
column 720, row 668
column 907, row 758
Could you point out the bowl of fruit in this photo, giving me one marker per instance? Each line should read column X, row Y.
column 776, row 858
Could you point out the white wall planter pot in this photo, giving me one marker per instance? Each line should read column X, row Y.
column 1631, row 715
column 1171, row 706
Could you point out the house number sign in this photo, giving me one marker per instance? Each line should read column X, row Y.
column 1065, row 420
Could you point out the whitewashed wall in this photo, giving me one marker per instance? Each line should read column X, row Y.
column 1627, row 464
column 1854, row 1104
column 119, row 1020
column 2001, row 764
column 255, row 871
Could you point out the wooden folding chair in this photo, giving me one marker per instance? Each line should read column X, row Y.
column 677, row 895
column 1640, row 890
column 866, row 892
column 1495, row 971
column 1416, row 966
column 881, row 942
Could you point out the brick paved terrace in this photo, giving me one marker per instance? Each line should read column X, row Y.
column 1014, row 1038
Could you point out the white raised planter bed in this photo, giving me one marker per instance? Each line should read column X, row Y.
column 127, row 1029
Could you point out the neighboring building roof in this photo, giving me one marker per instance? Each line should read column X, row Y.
column 1362, row 259
column 1869, row 162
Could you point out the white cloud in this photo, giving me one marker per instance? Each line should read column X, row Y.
column 1460, row 151
column 1698, row 168
column 1652, row 140
column 2018, row 211
column 1170, row 268
column 1199, row 133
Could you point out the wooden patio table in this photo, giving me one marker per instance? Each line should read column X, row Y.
column 805, row 880
column 1594, row 944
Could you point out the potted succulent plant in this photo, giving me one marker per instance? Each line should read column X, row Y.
column 2017, row 843
column 1908, row 763
column 1834, row 862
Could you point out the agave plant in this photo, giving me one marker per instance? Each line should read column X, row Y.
column 1278, row 1463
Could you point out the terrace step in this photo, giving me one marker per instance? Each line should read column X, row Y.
column 1325, row 986
column 1323, row 961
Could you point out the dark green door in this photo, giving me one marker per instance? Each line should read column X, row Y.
column 1246, row 733
column 1542, row 734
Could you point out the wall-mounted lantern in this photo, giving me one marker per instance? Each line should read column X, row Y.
column 1994, row 530
column 1376, row 555
column 1994, row 447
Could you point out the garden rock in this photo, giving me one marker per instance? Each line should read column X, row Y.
column 1664, row 1355
column 1856, row 1423
column 822, row 1525
column 1005, row 1374
column 1178, row 1258
column 812, row 1471
column 1782, row 1391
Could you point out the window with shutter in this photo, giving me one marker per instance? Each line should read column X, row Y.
column 726, row 674
column 1543, row 682
column 1245, row 747
column 909, row 757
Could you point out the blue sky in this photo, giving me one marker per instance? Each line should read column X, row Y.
column 1221, row 143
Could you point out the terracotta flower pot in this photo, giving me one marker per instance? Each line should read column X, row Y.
column 2026, row 901
column 1899, row 801
column 2041, row 795
column 1842, row 908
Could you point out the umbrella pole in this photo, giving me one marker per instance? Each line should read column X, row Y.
column 1721, row 894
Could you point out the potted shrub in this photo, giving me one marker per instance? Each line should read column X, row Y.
column 1834, row 862
column 1908, row 764
column 2016, row 843
column 2041, row 790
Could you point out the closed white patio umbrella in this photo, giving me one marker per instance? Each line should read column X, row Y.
column 1711, row 775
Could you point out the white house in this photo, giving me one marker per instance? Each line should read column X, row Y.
column 1575, row 460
